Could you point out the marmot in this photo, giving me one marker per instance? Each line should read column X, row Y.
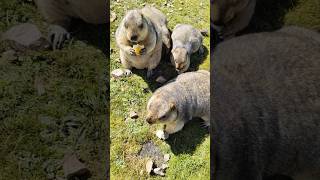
column 181, row 99
column 231, row 16
column 146, row 27
column 185, row 41
column 60, row 12
column 266, row 106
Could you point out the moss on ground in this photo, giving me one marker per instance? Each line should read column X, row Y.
column 36, row 130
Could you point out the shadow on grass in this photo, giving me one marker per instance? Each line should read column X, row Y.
column 269, row 15
column 167, row 70
column 95, row 35
column 187, row 140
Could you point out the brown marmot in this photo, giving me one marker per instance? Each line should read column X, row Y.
column 186, row 40
column 140, row 37
column 60, row 12
column 181, row 99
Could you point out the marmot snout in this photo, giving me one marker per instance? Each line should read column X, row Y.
column 161, row 111
column 135, row 26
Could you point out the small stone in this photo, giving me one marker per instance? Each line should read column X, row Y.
column 145, row 90
column 73, row 168
column 9, row 55
column 166, row 157
column 161, row 79
column 162, row 135
column 204, row 32
column 120, row 73
column 149, row 166
column 164, row 166
column 113, row 16
column 133, row 115
column 159, row 171
column 25, row 36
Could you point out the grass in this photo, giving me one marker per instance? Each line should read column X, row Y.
column 36, row 130
column 189, row 149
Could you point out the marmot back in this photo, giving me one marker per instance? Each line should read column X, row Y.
column 266, row 106
column 180, row 100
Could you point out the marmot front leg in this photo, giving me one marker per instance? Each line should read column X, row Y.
column 125, row 47
column 166, row 38
column 57, row 35
column 153, row 63
column 55, row 12
column 125, row 63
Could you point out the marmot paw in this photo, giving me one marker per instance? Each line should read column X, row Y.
column 57, row 35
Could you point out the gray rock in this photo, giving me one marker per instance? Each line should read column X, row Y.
column 113, row 16
column 9, row 55
column 149, row 166
column 25, row 36
column 151, row 151
column 120, row 73
column 133, row 115
column 73, row 168
column 159, row 171
column 164, row 166
column 166, row 157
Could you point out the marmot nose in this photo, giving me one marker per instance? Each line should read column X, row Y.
column 134, row 38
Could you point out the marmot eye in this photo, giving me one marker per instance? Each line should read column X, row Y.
column 140, row 26
column 163, row 117
column 126, row 25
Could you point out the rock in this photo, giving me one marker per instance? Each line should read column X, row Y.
column 145, row 90
column 162, row 135
column 164, row 166
column 161, row 79
column 151, row 151
column 149, row 166
column 73, row 168
column 133, row 115
column 121, row 73
column 25, row 36
column 166, row 157
column 204, row 32
column 117, row 73
column 113, row 16
column 159, row 171
column 9, row 55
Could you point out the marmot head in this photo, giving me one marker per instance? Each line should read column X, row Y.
column 161, row 110
column 224, row 11
column 136, row 26
column 181, row 59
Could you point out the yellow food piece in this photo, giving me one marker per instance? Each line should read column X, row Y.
column 137, row 48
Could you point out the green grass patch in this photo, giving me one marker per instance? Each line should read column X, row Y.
column 36, row 130
column 189, row 148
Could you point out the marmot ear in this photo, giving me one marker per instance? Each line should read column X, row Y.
column 172, row 106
